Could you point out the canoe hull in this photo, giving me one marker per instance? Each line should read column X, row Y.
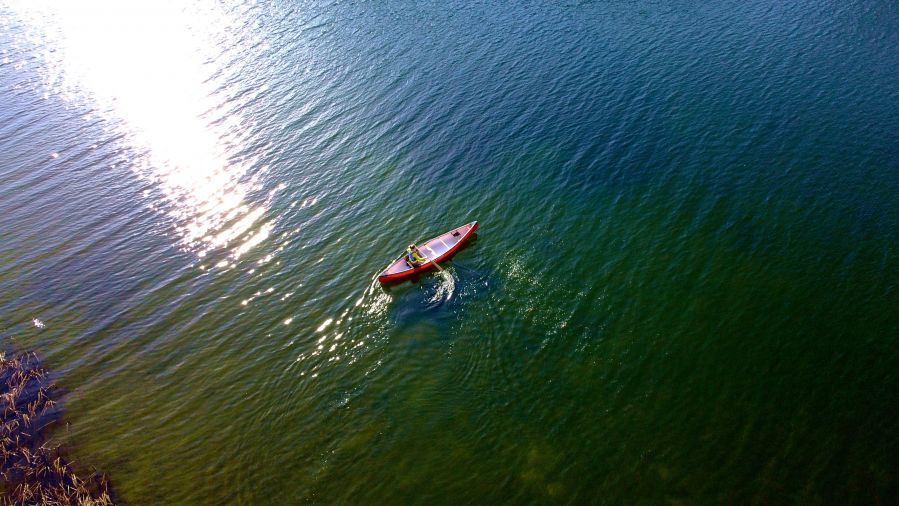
column 435, row 250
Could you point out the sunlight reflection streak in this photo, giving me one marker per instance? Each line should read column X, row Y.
column 148, row 68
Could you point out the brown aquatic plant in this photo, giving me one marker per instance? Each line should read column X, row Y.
column 32, row 473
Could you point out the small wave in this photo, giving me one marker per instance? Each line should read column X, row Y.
column 446, row 287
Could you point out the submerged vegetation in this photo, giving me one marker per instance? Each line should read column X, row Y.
column 31, row 472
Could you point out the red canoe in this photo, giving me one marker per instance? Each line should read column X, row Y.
column 435, row 250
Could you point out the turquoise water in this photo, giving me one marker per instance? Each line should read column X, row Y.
column 683, row 290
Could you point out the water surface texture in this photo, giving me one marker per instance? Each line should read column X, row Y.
column 683, row 290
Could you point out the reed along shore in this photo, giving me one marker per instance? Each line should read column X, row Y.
column 31, row 472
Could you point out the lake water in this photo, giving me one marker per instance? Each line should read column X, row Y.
column 684, row 288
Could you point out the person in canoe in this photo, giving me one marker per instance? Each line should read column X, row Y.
column 414, row 257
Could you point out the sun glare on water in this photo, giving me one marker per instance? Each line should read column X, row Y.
column 154, row 70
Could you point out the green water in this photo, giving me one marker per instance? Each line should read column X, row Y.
column 683, row 289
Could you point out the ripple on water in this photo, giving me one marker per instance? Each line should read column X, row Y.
column 444, row 289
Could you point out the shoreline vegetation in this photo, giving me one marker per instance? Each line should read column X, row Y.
column 31, row 472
